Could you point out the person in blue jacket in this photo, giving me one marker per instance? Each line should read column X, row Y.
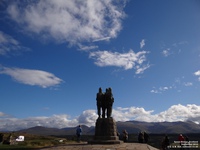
column 78, row 133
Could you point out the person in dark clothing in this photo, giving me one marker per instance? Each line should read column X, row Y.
column 125, row 136
column 165, row 143
column 140, row 137
column 78, row 133
column 146, row 137
column 1, row 138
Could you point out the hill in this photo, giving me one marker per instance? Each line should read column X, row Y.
column 39, row 130
column 159, row 127
column 130, row 126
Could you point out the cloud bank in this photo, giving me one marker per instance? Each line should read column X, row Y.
column 127, row 60
column 69, row 21
column 190, row 112
column 32, row 77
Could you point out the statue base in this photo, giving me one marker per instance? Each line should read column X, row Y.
column 105, row 132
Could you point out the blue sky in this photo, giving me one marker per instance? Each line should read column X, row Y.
column 54, row 55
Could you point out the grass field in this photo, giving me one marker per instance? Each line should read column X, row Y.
column 33, row 142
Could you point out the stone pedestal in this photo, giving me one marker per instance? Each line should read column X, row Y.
column 105, row 132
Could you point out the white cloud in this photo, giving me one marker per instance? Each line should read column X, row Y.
column 178, row 112
column 173, row 49
column 142, row 43
column 102, row 39
column 32, row 77
column 127, row 60
column 166, row 52
column 197, row 73
column 9, row 45
column 87, row 48
column 141, row 69
column 70, row 21
column 154, row 91
column 88, row 117
column 178, row 84
column 161, row 89
column 55, row 121
column 188, row 83
column 180, row 43
column 3, row 115
column 190, row 112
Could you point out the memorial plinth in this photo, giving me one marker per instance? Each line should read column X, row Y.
column 105, row 132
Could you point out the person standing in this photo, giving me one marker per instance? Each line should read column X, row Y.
column 125, row 136
column 181, row 140
column 146, row 137
column 140, row 137
column 165, row 143
column 78, row 133
column 1, row 138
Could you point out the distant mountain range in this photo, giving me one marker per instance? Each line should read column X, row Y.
column 159, row 127
column 130, row 126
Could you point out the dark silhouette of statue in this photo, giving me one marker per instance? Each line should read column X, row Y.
column 106, row 103
column 109, row 101
column 105, row 128
column 99, row 98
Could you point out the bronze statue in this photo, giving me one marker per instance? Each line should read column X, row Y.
column 109, row 102
column 105, row 102
column 99, row 98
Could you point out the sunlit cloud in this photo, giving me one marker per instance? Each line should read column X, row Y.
column 70, row 21
column 127, row 60
column 142, row 68
column 197, row 73
column 189, row 112
column 32, row 77
column 88, row 117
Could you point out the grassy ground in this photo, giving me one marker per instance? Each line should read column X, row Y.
column 32, row 142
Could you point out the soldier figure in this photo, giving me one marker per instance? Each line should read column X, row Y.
column 99, row 98
column 109, row 100
column 107, row 103
column 104, row 102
